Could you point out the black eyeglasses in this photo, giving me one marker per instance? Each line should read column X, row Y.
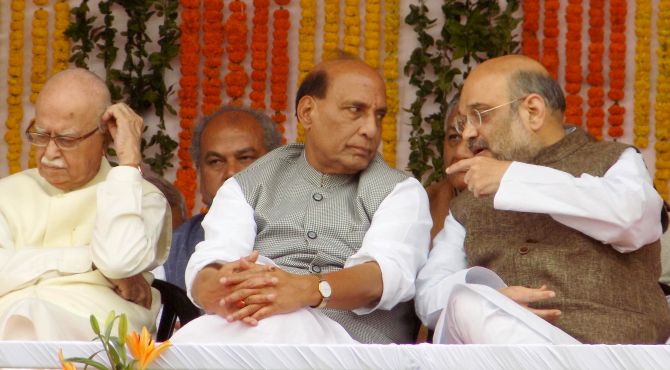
column 63, row 142
column 474, row 116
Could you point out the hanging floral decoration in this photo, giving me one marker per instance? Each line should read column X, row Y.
column 61, row 43
column 279, row 80
column 372, row 32
column 595, row 116
column 530, row 45
column 331, row 29
column 550, row 41
column 389, row 123
column 573, row 63
column 236, row 34
column 662, row 104
column 189, row 59
column 212, row 51
column 259, row 54
column 617, row 72
column 306, row 34
column 642, row 84
column 15, row 87
column 40, row 40
column 352, row 28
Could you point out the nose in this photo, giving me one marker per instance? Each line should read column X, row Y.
column 469, row 132
column 232, row 168
column 370, row 126
column 52, row 151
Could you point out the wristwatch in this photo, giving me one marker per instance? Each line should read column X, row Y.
column 324, row 290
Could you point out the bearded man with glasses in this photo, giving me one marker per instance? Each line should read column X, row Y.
column 557, row 239
column 76, row 235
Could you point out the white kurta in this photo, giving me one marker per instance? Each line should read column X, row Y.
column 397, row 240
column 621, row 208
column 51, row 240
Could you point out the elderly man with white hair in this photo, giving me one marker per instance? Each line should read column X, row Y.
column 76, row 235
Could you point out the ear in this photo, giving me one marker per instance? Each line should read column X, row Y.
column 536, row 111
column 306, row 108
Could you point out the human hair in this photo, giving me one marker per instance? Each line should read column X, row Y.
column 271, row 136
column 316, row 82
column 522, row 83
column 172, row 194
column 451, row 106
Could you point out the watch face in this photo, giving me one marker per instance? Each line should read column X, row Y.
column 324, row 289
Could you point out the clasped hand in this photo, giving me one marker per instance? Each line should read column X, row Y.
column 246, row 291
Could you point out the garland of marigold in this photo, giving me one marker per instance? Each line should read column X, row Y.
column 259, row 54
column 278, row 98
column 530, row 46
column 550, row 41
column 189, row 60
column 371, row 33
column 331, row 29
column 236, row 33
column 212, row 50
column 15, row 87
column 617, row 73
column 595, row 116
column 306, row 35
column 642, row 84
column 662, row 104
column 573, row 63
column 38, row 72
column 352, row 28
column 389, row 123
column 61, row 43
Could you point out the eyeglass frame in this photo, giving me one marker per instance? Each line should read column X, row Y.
column 76, row 140
column 459, row 125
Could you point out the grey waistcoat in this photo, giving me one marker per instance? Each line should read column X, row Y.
column 308, row 222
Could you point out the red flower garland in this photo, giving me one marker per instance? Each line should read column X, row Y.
column 188, row 97
column 595, row 116
column 617, row 72
column 212, row 37
column 573, row 63
column 279, row 80
column 259, row 54
column 236, row 31
column 530, row 46
column 550, row 41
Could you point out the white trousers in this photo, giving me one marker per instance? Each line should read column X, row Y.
column 305, row 326
column 480, row 314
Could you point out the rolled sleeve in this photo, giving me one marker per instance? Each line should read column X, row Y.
column 397, row 241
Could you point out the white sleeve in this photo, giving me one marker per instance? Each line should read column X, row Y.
column 622, row 208
column 128, row 225
column 230, row 231
column 22, row 267
column 397, row 240
column 446, row 267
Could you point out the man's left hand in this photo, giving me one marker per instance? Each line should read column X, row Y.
column 269, row 293
column 126, row 127
column 135, row 289
column 482, row 174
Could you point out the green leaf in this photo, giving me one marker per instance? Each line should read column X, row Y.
column 94, row 325
column 87, row 362
column 123, row 329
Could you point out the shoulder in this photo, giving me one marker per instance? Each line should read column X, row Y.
column 23, row 178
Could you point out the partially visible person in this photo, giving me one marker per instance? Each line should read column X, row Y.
column 223, row 144
column 315, row 243
column 556, row 239
column 441, row 192
column 77, row 237
column 174, row 197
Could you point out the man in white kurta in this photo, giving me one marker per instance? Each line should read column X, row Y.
column 565, row 236
column 76, row 235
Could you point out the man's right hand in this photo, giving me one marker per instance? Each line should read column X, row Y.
column 525, row 296
column 209, row 290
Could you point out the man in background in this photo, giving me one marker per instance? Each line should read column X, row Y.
column 223, row 144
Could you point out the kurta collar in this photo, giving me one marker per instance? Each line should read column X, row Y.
column 319, row 179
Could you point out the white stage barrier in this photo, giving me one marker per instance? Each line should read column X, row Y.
column 424, row 356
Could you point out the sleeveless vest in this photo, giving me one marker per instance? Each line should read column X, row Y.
column 605, row 296
column 308, row 222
